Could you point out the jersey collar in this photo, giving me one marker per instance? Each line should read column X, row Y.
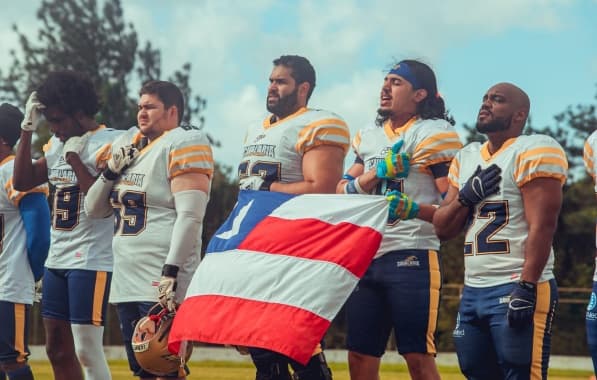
column 267, row 123
column 486, row 155
column 394, row 133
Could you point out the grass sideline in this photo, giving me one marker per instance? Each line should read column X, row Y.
column 220, row 370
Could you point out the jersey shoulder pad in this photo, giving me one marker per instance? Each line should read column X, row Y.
column 189, row 150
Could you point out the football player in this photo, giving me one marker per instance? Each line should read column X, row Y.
column 590, row 159
column 405, row 157
column 295, row 150
column 157, row 185
column 507, row 194
column 79, row 264
column 24, row 243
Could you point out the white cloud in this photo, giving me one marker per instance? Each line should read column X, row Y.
column 229, row 119
column 356, row 99
column 230, row 45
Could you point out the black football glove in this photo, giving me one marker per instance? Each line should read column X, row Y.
column 483, row 183
column 521, row 307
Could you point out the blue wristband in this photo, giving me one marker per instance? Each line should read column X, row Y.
column 348, row 177
column 350, row 188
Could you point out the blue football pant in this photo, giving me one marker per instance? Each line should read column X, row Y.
column 488, row 348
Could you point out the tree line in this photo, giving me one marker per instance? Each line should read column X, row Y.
column 114, row 58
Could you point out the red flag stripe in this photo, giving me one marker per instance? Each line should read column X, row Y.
column 275, row 279
column 316, row 240
column 291, row 331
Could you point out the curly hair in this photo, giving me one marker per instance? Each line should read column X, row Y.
column 70, row 91
column 10, row 123
column 433, row 106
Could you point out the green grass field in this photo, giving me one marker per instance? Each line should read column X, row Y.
column 211, row 370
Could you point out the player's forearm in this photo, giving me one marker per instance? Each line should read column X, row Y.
column 84, row 178
column 24, row 173
column 368, row 180
column 537, row 250
column 426, row 212
column 306, row 187
column 449, row 219
column 97, row 204
column 186, row 232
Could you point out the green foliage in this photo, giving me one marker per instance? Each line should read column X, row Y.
column 75, row 35
column 224, row 192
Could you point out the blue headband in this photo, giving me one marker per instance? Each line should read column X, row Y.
column 405, row 72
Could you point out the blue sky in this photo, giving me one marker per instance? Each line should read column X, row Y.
column 547, row 47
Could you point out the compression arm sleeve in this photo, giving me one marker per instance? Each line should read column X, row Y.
column 186, row 234
column 97, row 203
column 36, row 219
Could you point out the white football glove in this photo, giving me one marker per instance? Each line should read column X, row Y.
column 121, row 158
column 74, row 144
column 33, row 116
column 167, row 293
column 251, row 183
column 38, row 291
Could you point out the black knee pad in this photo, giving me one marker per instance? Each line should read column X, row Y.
column 316, row 369
column 270, row 365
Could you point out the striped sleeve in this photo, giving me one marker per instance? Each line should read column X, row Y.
column 191, row 153
column 103, row 155
column 545, row 159
column 438, row 147
column 454, row 172
column 356, row 143
column 329, row 131
column 46, row 147
column 589, row 157
column 16, row 196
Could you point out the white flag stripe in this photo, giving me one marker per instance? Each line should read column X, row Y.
column 361, row 210
column 283, row 279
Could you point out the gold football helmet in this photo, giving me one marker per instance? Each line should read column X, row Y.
column 150, row 344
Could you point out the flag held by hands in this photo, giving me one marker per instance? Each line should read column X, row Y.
column 279, row 269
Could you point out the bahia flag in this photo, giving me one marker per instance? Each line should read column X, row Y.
column 279, row 269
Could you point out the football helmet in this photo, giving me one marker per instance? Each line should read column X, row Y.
column 150, row 343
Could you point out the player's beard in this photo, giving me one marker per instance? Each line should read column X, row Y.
column 495, row 125
column 385, row 113
column 285, row 106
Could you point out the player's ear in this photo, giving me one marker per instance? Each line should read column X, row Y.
column 303, row 89
column 420, row 94
column 173, row 112
column 520, row 117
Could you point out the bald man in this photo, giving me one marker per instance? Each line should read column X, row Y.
column 507, row 194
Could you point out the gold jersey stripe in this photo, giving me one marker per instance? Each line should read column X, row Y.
column 190, row 149
column 207, row 172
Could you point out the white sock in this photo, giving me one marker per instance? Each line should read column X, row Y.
column 89, row 347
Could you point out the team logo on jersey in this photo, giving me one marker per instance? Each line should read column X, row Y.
column 62, row 175
column 372, row 162
column 132, row 179
column 410, row 261
column 592, row 301
column 260, row 150
column 259, row 137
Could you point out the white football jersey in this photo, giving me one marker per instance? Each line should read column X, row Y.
column 275, row 150
column 77, row 242
column 428, row 142
column 495, row 240
column 590, row 158
column 16, row 278
column 145, row 214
